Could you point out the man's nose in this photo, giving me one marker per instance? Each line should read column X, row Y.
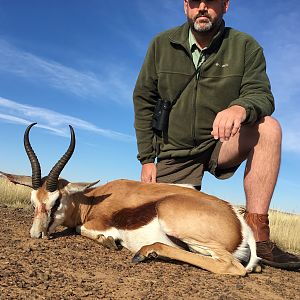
column 202, row 6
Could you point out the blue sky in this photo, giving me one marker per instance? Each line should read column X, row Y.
column 76, row 62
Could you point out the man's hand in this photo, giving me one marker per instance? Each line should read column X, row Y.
column 228, row 122
column 148, row 174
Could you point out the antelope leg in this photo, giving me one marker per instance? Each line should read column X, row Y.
column 222, row 262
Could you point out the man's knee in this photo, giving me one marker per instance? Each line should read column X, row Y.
column 266, row 133
column 269, row 128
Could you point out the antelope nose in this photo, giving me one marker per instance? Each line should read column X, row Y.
column 36, row 234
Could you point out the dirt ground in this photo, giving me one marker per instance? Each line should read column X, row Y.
column 72, row 267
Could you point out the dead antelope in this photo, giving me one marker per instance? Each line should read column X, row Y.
column 151, row 220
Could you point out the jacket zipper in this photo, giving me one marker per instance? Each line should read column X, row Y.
column 194, row 107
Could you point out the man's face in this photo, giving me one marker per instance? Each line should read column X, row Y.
column 204, row 16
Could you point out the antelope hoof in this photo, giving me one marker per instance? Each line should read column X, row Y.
column 111, row 244
column 107, row 242
column 257, row 269
column 138, row 257
column 152, row 255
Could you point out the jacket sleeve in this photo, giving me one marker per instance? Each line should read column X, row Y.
column 145, row 96
column 255, row 94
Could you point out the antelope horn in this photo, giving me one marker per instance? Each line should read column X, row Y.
column 35, row 165
column 52, row 180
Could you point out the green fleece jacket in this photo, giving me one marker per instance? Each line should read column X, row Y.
column 234, row 73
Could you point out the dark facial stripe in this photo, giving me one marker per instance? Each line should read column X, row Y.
column 133, row 218
column 53, row 211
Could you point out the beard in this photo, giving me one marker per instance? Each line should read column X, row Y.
column 204, row 26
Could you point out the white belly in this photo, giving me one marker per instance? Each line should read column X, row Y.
column 151, row 233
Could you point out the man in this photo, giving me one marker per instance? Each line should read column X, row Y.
column 221, row 118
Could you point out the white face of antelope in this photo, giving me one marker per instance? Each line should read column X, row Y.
column 45, row 198
column 48, row 213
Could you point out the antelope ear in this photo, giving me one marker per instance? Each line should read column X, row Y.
column 73, row 188
column 17, row 179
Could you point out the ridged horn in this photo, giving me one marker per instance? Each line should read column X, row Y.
column 35, row 165
column 52, row 180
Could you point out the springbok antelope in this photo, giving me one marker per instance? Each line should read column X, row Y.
column 151, row 220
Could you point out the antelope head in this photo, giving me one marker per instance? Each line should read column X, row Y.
column 50, row 195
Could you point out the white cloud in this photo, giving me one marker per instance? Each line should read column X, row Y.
column 82, row 84
column 291, row 134
column 14, row 112
column 13, row 119
column 291, row 141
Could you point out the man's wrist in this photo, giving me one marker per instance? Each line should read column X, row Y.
column 147, row 161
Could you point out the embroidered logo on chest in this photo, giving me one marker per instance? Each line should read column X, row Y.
column 222, row 66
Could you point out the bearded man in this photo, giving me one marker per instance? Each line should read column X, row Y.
column 220, row 115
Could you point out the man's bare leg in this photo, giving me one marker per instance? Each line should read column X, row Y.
column 260, row 145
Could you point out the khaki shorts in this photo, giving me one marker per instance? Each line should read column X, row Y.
column 190, row 170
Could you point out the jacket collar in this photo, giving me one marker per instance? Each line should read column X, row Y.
column 181, row 36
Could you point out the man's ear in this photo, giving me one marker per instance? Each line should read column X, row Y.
column 17, row 179
column 185, row 3
column 226, row 6
column 72, row 188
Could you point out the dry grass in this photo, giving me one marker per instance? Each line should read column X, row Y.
column 285, row 230
column 14, row 195
column 285, row 227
